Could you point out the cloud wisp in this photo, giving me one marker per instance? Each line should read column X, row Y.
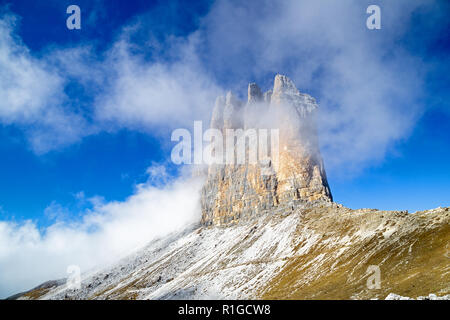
column 29, row 256
column 364, row 80
column 119, row 89
column 32, row 95
column 367, row 85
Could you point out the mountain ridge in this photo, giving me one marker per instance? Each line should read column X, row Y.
column 315, row 252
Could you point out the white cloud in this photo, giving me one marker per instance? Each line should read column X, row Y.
column 25, row 85
column 121, row 88
column 29, row 256
column 367, row 85
column 56, row 211
column 154, row 95
column 32, row 94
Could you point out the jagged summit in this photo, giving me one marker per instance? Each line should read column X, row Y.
column 231, row 112
column 254, row 93
column 297, row 175
column 284, row 84
column 217, row 114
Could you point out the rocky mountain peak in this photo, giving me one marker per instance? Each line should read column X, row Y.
column 254, row 93
column 283, row 84
column 217, row 114
column 231, row 112
column 292, row 177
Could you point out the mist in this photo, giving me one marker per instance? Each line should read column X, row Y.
column 30, row 256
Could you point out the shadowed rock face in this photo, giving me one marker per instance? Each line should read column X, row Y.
column 280, row 181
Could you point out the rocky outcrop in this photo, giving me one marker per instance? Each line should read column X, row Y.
column 289, row 174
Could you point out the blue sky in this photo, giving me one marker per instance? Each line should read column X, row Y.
column 108, row 165
column 103, row 100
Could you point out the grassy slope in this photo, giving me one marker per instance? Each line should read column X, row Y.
column 413, row 255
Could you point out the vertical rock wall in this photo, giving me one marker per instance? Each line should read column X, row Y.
column 296, row 176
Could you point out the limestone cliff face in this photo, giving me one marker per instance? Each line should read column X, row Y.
column 282, row 179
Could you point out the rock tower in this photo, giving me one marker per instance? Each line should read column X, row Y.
column 293, row 176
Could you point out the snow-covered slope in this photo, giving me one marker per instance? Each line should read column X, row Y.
column 316, row 252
